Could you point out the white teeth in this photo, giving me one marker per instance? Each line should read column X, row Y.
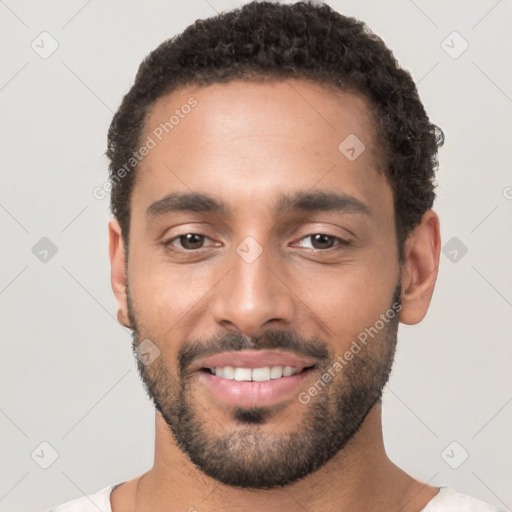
column 288, row 371
column 255, row 374
column 276, row 372
column 261, row 374
column 243, row 374
column 228, row 372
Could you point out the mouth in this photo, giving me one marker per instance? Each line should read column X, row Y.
column 262, row 374
column 254, row 378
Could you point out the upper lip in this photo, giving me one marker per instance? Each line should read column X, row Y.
column 253, row 359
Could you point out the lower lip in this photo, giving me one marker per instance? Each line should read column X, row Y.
column 254, row 394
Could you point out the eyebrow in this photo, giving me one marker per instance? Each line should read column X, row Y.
column 303, row 201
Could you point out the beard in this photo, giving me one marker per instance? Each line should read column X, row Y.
column 249, row 454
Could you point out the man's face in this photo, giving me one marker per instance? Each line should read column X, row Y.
column 260, row 288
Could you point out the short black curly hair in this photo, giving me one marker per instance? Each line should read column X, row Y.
column 305, row 40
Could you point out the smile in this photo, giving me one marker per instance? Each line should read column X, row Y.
column 253, row 378
column 262, row 374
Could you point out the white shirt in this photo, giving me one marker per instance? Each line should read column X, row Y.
column 446, row 500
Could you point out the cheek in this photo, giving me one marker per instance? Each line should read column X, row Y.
column 349, row 299
column 164, row 295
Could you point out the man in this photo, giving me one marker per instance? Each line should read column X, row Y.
column 272, row 176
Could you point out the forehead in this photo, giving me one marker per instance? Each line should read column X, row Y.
column 304, row 109
column 248, row 139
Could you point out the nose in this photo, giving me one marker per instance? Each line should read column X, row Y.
column 253, row 295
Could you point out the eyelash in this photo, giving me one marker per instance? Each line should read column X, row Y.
column 341, row 242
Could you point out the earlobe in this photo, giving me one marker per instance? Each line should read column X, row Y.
column 420, row 268
column 117, row 271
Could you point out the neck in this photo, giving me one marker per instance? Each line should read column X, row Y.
column 360, row 477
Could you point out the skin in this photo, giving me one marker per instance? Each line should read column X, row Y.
column 247, row 143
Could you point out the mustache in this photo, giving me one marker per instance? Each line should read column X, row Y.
column 271, row 340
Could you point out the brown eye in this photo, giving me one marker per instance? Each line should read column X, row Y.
column 189, row 241
column 322, row 241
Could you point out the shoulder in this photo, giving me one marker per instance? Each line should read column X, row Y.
column 448, row 500
column 97, row 502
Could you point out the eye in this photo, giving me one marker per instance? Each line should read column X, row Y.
column 188, row 241
column 195, row 241
column 322, row 241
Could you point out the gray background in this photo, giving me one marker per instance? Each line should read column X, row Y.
column 68, row 375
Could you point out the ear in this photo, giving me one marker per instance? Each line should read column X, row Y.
column 419, row 268
column 117, row 270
